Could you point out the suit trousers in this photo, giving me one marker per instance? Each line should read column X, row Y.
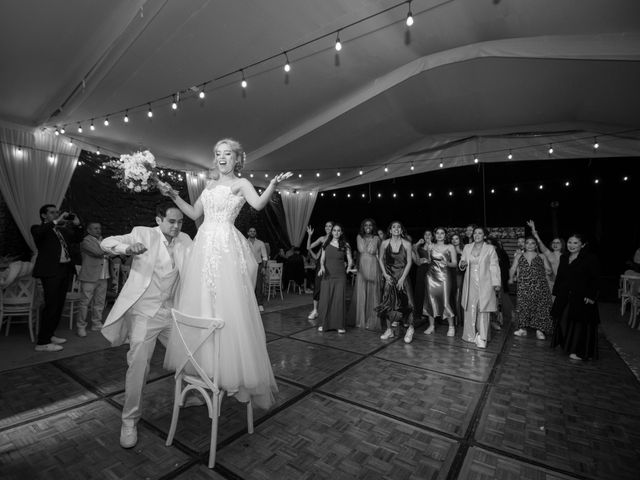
column 143, row 335
column 55, row 292
column 96, row 291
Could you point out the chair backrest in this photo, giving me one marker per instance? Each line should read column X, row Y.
column 20, row 293
column 275, row 272
column 194, row 333
column 75, row 285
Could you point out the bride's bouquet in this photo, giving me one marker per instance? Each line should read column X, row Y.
column 136, row 172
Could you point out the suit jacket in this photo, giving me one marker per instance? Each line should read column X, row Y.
column 489, row 272
column 49, row 247
column 93, row 258
column 116, row 327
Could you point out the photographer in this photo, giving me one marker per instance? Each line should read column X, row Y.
column 54, row 267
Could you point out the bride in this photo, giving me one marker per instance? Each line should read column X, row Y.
column 219, row 280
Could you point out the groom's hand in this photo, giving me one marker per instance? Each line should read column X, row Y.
column 136, row 249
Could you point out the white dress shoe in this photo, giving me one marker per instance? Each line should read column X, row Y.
column 521, row 332
column 540, row 335
column 451, row 332
column 58, row 340
column 49, row 347
column 128, row 436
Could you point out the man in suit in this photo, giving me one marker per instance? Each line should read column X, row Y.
column 54, row 268
column 93, row 277
column 142, row 311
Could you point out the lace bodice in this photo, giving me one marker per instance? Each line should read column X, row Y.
column 220, row 204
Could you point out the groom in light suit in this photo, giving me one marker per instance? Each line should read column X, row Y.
column 142, row 312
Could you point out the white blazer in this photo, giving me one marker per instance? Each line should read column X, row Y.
column 115, row 329
column 489, row 273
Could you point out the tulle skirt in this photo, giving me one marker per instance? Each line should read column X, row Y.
column 218, row 281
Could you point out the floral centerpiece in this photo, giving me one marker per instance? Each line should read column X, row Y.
column 136, row 172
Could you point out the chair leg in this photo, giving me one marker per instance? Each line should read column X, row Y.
column 176, row 410
column 30, row 325
column 214, row 429
column 249, row 417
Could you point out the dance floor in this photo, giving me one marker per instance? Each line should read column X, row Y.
column 349, row 406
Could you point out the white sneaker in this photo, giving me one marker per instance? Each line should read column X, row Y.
column 261, row 308
column 82, row 332
column 573, row 356
column 521, row 332
column 387, row 334
column 451, row 332
column 49, row 347
column 58, row 340
column 313, row 315
column 540, row 335
column 128, row 436
column 408, row 337
column 430, row 330
column 320, row 329
column 342, row 330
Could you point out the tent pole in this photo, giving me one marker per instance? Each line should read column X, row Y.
column 484, row 197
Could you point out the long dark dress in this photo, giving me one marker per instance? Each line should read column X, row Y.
column 368, row 284
column 421, row 289
column 534, row 297
column 438, row 288
column 576, row 323
column 396, row 304
column 332, row 306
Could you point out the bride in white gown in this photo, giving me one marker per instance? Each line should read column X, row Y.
column 219, row 281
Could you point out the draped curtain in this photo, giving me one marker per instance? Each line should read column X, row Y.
column 297, row 209
column 195, row 185
column 35, row 169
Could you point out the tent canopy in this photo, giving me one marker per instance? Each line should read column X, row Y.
column 469, row 78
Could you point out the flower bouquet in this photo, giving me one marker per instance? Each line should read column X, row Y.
column 136, row 172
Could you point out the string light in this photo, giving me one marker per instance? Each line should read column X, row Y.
column 243, row 83
column 363, row 195
column 441, row 164
column 409, row 21
column 450, row 193
column 334, row 194
column 551, row 149
column 379, row 195
column 540, row 187
column 348, row 195
column 106, row 122
column 150, row 112
column 360, row 172
column 429, row 194
column 51, row 157
column 510, row 156
column 624, row 179
column 56, row 132
column 596, row 181
column 476, row 160
column 411, row 194
column 566, row 184
column 596, row 145
column 338, row 44
column 337, row 174
column 201, row 95
column 412, row 167
column 470, row 191
column 394, row 195
column 386, row 169
column 317, row 174
column 493, row 190
column 174, row 104
column 19, row 150
column 287, row 65
column 515, row 189
column 79, row 128
column 62, row 130
column 299, row 175
column 251, row 175
column 98, row 151
column 126, row 117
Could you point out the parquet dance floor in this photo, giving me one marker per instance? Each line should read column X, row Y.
column 349, row 406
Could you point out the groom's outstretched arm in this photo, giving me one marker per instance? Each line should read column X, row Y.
column 124, row 244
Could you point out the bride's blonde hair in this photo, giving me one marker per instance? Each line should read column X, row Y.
column 235, row 148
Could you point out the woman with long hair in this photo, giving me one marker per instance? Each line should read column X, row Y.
column 421, row 257
column 552, row 255
column 332, row 308
column 439, row 282
column 316, row 256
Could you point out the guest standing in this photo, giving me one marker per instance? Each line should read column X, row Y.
column 54, row 268
column 259, row 251
column 553, row 255
column 94, row 276
column 316, row 256
column 421, row 257
column 439, row 282
column 533, row 304
column 459, row 276
column 332, row 307
column 369, row 278
column 575, row 311
column 479, row 288
column 397, row 299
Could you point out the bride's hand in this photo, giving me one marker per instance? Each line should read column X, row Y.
column 282, row 176
column 166, row 190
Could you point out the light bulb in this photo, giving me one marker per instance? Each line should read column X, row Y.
column 174, row 105
column 596, row 145
column 62, row 130
column 551, row 149
column 149, row 112
column 201, row 94
column 106, row 122
column 337, row 174
column 596, row 181
column 409, row 21
column 566, row 184
column 287, row 65
column 79, row 128
column 243, row 83
column 493, row 190
column 363, row 195
column 470, row 191
column 126, row 117
column 57, row 132
column 360, row 172
column 338, row 44
column 386, row 169
column 510, row 156
column 317, row 174
column 515, row 189
column 476, row 160
column 441, row 164
column 98, row 151
column 92, row 127
column 412, row 167
column 450, row 193
column 540, row 187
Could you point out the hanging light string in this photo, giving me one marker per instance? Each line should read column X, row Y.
column 199, row 89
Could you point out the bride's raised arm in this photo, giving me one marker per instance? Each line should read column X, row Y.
column 260, row 201
column 194, row 211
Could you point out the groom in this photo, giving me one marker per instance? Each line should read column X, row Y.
column 142, row 311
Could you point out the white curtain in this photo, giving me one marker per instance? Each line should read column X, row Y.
column 297, row 210
column 196, row 182
column 35, row 169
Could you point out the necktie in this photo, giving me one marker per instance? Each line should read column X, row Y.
column 63, row 243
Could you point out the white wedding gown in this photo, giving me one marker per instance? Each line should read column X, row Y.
column 218, row 281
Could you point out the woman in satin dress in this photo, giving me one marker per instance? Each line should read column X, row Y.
column 439, row 282
column 369, row 278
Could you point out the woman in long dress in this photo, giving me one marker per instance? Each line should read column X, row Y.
column 533, row 304
column 369, row 278
column 397, row 300
column 316, row 256
column 459, row 276
column 219, row 281
column 481, row 283
column 439, row 282
column 552, row 255
column 422, row 259
column 575, row 311
column 332, row 306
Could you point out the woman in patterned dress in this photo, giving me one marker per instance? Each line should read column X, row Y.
column 553, row 255
column 533, row 304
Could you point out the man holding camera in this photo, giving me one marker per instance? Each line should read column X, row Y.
column 54, row 268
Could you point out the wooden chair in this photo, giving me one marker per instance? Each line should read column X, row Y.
column 191, row 376
column 295, row 286
column 625, row 290
column 274, row 280
column 19, row 301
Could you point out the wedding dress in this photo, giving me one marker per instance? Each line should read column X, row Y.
column 218, row 281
